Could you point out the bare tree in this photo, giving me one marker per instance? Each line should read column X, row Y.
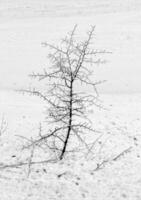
column 70, row 72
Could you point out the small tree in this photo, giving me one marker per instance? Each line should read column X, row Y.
column 71, row 69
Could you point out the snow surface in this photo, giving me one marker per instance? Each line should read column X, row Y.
column 24, row 25
column 75, row 177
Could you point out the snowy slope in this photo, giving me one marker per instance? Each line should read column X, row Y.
column 24, row 25
column 62, row 8
column 76, row 178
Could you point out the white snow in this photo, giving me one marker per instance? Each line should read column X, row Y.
column 75, row 177
column 24, row 25
column 118, row 29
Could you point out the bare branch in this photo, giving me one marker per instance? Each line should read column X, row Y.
column 70, row 69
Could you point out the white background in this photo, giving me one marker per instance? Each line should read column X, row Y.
column 24, row 25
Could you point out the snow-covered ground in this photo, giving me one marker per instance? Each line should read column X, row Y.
column 75, row 177
column 24, row 25
column 118, row 29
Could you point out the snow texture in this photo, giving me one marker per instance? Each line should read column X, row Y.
column 24, row 25
column 76, row 177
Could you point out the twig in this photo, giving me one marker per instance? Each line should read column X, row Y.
column 20, row 164
column 3, row 125
column 122, row 153
column 30, row 159
column 101, row 165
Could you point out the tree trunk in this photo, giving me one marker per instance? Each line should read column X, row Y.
column 69, row 123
